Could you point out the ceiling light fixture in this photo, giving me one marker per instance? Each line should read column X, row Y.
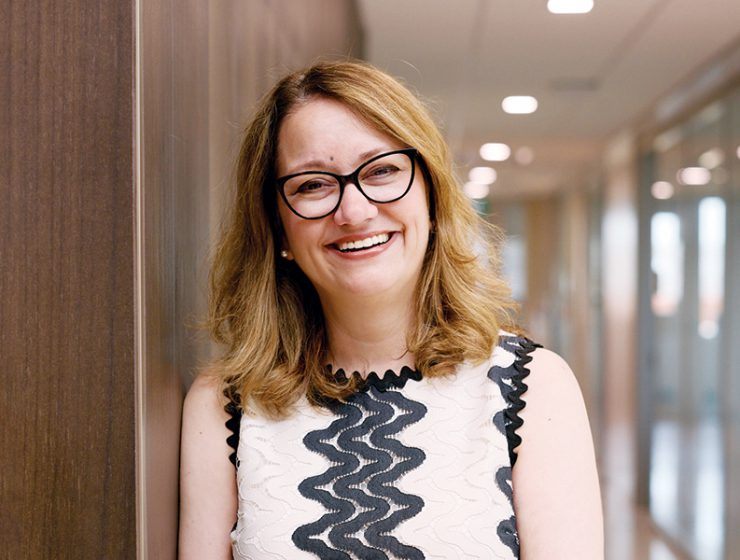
column 696, row 176
column 519, row 104
column 484, row 175
column 738, row 152
column 476, row 191
column 570, row 6
column 495, row 151
column 662, row 190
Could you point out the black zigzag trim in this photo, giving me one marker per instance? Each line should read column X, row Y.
column 358, row 489
column 510, row 381
column 233, row 424
column 389, row 380
column 507, row 532
column 503, row 482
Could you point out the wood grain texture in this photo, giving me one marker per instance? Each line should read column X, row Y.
column 174, row 140
column 67, row 476
column 66, row 324
column 203, row 66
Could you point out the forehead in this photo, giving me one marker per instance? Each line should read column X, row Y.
column 327, row 133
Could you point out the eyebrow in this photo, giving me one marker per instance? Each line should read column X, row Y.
column 320, row 165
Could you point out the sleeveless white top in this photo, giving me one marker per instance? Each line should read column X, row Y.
column 409, row 467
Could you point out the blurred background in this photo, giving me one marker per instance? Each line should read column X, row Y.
column 603, row 137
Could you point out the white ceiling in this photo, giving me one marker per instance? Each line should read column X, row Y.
column 593, row 74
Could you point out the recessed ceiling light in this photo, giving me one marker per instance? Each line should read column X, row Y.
column 570, row 6
column 524, row 155
column 485, row 175
column 519, row 104
column 662, row 190
column 495, row 151
column 476, row 191
column 697, row 176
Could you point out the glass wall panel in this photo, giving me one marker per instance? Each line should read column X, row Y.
column 687, row 225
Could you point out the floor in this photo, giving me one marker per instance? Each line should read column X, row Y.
column 629, row 532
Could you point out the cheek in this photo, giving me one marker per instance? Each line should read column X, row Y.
column 287, row 225
column 299, row 236
column 420, row 205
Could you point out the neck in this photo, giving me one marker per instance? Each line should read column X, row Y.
column 367, row 336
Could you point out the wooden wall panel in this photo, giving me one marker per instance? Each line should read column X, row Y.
column 66, row 280
column 68, row 325
column 174, row 216
column 203, row 65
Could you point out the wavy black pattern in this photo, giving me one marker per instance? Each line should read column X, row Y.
column 233, row 424
column 507, row 532
column 503, row 483
column 358, row 491
column 510, row 381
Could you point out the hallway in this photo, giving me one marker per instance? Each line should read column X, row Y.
column 605, row 144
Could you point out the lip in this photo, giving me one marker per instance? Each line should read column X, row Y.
column 333, row 247
column 357, row 237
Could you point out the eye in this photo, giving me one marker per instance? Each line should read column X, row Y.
column 311, row 186
column 380, row 172
column 384, row 170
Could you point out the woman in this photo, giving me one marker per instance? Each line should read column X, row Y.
column 372, row 405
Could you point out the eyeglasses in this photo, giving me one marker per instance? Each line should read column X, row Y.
column 384, row 178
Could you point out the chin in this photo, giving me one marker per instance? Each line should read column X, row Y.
column 374, row 284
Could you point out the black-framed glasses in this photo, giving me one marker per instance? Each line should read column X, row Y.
column 383, row 178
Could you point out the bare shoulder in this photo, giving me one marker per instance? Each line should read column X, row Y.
column 556, row 487
column 555, row 413
column 552, row 383
column 205, row 396
column 208, row 494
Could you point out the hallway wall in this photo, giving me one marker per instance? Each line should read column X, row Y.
column 202, row 68
column 67, row 478
column 619, row 287
column 118, row 123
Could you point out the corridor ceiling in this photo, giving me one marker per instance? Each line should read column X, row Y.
column 593, row 74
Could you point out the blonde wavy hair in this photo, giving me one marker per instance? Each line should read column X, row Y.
column 265, row 310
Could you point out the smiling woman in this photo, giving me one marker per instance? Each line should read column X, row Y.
column 382, row 199
column 372, row 391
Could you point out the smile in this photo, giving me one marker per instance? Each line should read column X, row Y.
column 360, row 244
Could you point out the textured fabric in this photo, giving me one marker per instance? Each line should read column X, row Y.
column 408, row 467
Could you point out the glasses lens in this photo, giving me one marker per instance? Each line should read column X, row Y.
column 312, row 194
column 316, row 194
column 387, row 178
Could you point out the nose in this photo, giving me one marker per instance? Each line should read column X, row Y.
column 354, row 208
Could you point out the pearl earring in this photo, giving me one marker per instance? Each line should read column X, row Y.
column 284, row 254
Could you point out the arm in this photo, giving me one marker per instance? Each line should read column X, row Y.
column 556, row 486
column 208, row 495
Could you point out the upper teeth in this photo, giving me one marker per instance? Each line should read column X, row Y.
column 364, row 243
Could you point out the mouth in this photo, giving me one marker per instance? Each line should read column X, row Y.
column 363, row 244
